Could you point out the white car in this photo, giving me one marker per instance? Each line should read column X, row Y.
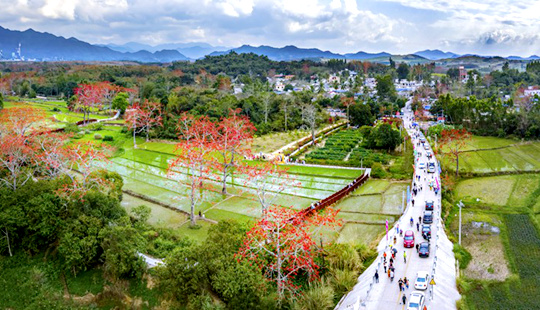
column 421, row 282
column 422, row 165
column 416, row 301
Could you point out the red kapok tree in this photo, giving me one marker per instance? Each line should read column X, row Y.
column 142, row 118
column 282, row 244
column 20, row 119
column 269, row 180
column 233, row 138
column 453, row 143
column 193, row 160
column 89, row 96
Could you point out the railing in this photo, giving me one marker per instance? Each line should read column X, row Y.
column 335, row 197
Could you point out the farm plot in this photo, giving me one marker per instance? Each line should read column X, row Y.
column 336, row 147
column 520, row 292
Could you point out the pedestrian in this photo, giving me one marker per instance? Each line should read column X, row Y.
column 395, row 240
column 420, row 219
column 417, row 226
column 391, row 276
column 385, row 267
column 401, row 233
column 384, row 255
column 417, row 248
column 376, row 276
column 400, row 283
column 404, row 299
column 413, row 202
column 389, row 272
column 406, row 282
column 404, row 256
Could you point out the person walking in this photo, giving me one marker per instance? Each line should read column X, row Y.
column 417, row 248
column 385, row 267
column 404, row 256
column 400, row 283
column 404, row 299
column 419, row 219
column 376, row 276
column 391, row 276
column 406, row 281
column 417, row 226
column 412, row 202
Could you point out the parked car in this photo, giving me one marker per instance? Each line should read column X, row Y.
column 421, row 165
column 426, row 231
column 421, row 282
column 416, row 301
column 428, row 217
column 429, row 154
column 408, row 239
column 431, row 168
column 426, row 147
column 423, row 249
column 429, row 205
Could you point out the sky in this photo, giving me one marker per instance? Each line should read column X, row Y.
column 485, row 27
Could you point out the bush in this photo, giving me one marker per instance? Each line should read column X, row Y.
column 343, row 281
column 319, row 295
column 377, row 171
column 108, row 138
column 462, row 255
column 95, row 127
column 71, row 128
column 97, row 137
column 343, row 256
column 124, row 129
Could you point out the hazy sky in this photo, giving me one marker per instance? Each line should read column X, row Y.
column 485, row 27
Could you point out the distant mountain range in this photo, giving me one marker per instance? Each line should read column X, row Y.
column 436, row 54
column 42, row 46
column 47, row 47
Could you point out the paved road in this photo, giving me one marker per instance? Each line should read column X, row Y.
column 386, row 293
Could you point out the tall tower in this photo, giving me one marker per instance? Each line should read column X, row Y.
column 19, row 51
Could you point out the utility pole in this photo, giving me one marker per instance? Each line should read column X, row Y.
column 402, row 201
column 460, row 205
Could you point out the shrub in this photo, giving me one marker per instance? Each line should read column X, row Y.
column 343, row 256
column 462, row 255
column 97, row 137
column 377, row 171
column 108, row 138
column 343, row 281
column 124, row 129
column 95, row 126
column 71, row 128
column 319, row 295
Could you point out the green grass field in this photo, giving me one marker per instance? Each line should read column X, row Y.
column 510, row 191
column 489, row 154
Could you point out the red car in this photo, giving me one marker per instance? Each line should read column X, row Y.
column 408, row 240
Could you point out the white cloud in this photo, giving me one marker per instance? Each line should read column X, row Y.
column 59, row 9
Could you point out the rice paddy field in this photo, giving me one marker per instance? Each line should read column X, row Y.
column 144, row 170
column 490, row 155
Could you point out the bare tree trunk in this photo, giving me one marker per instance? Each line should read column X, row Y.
column 134, row 140
column 457, row 166
column 193, row 221
column 224, row 181
column 6, row 232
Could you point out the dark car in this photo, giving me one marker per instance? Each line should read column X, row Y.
column 428, row 217
column 429, row 205
column 423, row 249
column 431, row 168
column 426, row 231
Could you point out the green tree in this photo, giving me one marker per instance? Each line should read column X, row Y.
column 121, row 244
column 385, row 88
column 387, row 138
column 360, row 115
column 79, row 245
column 121, row 102
column 403, row 71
